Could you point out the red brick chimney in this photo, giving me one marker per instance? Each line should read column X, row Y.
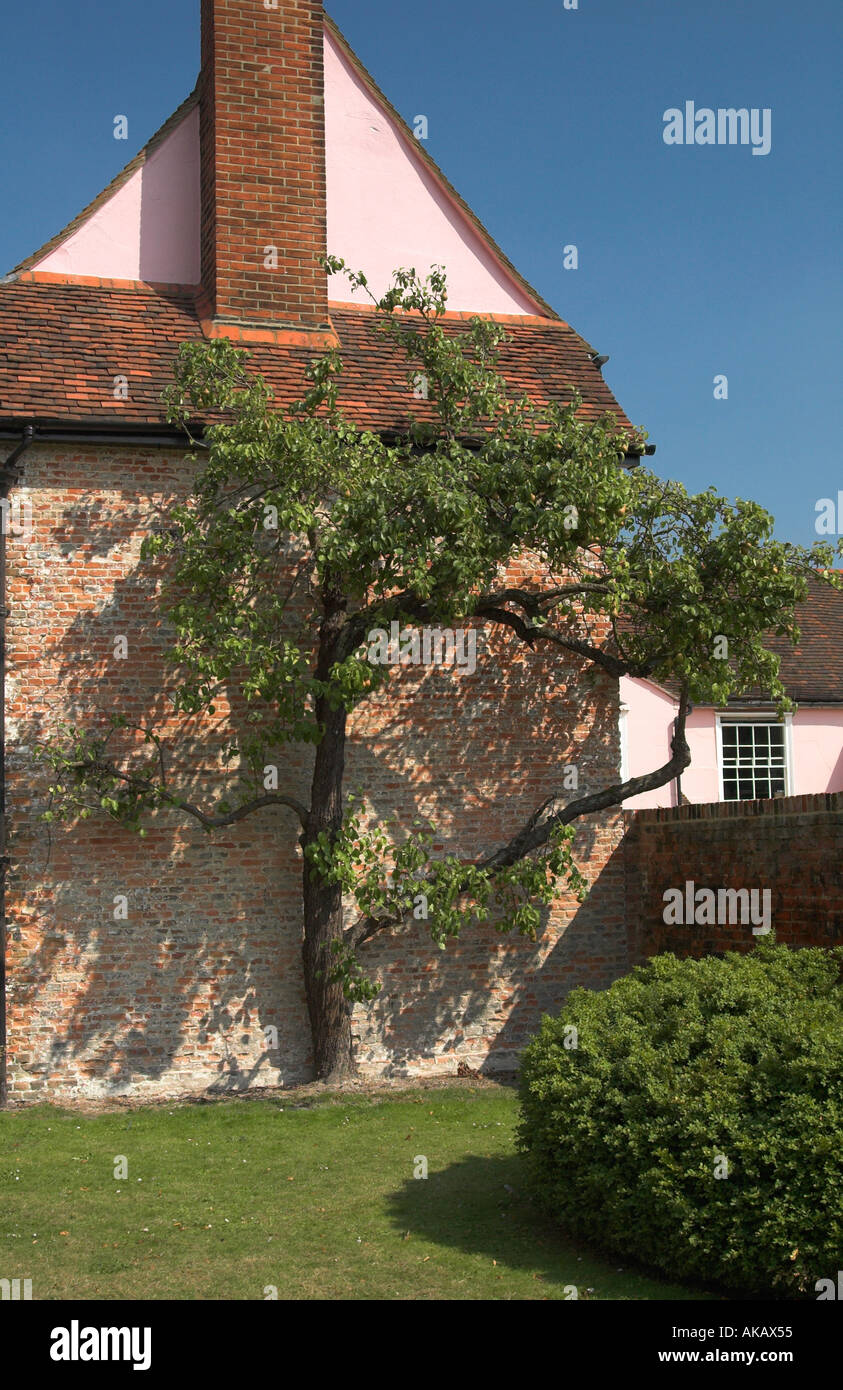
column 262, row 124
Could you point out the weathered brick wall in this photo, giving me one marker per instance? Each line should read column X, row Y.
column 177, row 998
column 792, row 846
column 479, row 768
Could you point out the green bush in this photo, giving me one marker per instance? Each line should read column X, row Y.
column 678, row 1065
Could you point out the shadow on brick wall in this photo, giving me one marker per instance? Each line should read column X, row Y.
column 485, row 996
column 200, row 987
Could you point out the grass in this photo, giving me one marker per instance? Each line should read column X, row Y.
column 225, row 1199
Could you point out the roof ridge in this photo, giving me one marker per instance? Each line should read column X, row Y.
column 434, row 168
column 113, row 187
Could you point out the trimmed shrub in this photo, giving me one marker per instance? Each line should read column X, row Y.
column 683, row 1070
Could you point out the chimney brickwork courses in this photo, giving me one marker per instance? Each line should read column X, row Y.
column 262, row 134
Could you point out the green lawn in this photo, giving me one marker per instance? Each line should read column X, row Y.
column 317, row 1199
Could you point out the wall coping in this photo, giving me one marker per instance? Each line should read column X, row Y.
column 819, row 803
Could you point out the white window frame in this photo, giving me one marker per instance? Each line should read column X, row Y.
column 755, row 717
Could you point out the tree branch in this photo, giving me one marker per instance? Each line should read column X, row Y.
column 556, row 813
column 529, row 634
column 144, row 786
column 259, row 802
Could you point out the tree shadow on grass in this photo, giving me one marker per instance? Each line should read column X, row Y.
column 480, row 1206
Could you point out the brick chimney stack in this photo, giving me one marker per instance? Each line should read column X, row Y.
column 262, row 124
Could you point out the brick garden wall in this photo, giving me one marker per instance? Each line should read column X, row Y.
column 793, row 846
column 177, row 998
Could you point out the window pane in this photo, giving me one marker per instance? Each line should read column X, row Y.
column 753, row 760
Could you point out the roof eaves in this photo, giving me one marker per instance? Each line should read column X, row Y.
column 736, row 702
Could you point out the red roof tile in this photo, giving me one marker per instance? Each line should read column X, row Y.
column 814, row 669
column 62, row 344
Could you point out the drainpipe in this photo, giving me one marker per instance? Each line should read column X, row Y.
column 9, row 475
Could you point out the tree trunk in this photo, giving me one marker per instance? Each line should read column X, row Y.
column 330, row 1012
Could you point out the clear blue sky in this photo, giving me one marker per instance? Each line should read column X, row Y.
column 692, row 261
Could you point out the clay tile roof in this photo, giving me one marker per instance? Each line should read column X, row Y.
column 63, row 343
column 814, row 669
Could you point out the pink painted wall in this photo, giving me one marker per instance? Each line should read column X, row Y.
column 817, row 743
column 149, row 229
column 650, row 714
column 649, row 727
column 385, row 210
column 818, row 750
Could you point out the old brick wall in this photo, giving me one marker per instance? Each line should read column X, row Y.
column 792, row 846
column 177, row 998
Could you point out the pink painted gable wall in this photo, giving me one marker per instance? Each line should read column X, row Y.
column 385, row 210
column 817, row 743
column 149, row 228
